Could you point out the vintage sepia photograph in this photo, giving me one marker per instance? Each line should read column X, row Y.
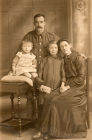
column 45, row 69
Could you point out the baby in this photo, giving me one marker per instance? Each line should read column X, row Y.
column 25, row 62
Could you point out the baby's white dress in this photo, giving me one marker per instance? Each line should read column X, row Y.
column 25, row 63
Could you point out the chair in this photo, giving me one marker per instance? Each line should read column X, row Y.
column 87, row 91
column 15, row 88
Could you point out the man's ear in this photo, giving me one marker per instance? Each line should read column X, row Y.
column 70, row 45
column 44, row 22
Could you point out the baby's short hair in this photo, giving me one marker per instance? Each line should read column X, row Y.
column 24, row 41
column 27, row 41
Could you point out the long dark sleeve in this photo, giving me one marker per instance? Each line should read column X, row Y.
column 78, row 79
column 63, row 78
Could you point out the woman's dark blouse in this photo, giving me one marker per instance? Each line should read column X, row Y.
column 74, row 69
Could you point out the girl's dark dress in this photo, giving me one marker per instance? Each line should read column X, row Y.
column 63, row 114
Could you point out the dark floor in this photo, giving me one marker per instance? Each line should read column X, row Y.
column 27, row 133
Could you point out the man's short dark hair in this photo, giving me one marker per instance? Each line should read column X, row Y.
column 39, row 15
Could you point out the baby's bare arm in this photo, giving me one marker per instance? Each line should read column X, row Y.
column 14, row 63
column 34, row 63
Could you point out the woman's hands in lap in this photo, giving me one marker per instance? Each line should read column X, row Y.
column 64, row 88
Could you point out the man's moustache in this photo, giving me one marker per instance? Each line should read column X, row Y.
column 39, row 27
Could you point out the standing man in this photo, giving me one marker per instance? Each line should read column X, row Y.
column 40, row 38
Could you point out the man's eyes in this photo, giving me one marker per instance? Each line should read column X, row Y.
column 40, row 22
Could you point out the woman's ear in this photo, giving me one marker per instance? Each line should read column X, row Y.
column 70, row 45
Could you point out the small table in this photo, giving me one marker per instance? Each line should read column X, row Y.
column 15, row 88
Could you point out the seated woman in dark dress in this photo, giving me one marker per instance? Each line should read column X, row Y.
column 64, row 114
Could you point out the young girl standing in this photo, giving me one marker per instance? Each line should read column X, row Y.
column 51, row 71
